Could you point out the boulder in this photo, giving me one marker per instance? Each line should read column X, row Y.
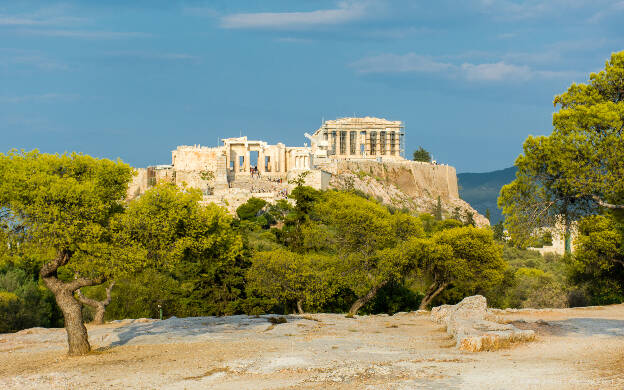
column 474, row 328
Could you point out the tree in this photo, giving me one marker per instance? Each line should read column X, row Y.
column 365, row 234
column 499, row 231
column 99, row 306
column 169, row 229
column 421, row 154
column 465, row 255
column 292, row 278
column 598, row 260
column 487, row 214
column 470, row 219
column 250, row 209
column 66, row 203
column 577, row 169
column 541, row 195
column 437, row 211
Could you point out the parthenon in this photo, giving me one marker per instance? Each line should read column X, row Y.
column 367, row 138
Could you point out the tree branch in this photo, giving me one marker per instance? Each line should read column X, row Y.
column 108, row 293
column 86, row 301
column 83, row 282
column 607, row 205
column 49, row 269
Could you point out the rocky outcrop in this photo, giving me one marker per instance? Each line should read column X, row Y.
column 406, row 184
column 474, row 328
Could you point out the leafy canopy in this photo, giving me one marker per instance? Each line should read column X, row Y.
column 65, row 202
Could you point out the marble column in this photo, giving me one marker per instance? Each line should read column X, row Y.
column 246, row 163
column 234, row 156
column 261, row 161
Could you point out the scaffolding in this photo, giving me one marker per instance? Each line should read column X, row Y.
column 372, row 142
column 343, row 143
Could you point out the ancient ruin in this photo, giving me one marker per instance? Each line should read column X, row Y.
column 359, row 153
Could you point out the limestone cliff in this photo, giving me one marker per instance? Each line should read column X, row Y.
column 405, row 184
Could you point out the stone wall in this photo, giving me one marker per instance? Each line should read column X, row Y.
column 196, row 158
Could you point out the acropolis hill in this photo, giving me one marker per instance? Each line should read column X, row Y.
column 365, row 154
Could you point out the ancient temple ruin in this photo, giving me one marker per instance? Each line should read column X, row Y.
column 239, row 168
column 359, row 138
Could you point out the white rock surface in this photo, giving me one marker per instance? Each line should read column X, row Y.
column 474, row 328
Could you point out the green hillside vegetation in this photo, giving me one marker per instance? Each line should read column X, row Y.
column 481, row 190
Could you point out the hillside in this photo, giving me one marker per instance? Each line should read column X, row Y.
column 481, row 189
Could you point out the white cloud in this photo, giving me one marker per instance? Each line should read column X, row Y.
column 533, row 9
column 9, row 57
column 392, row 63
column 46, row 97
column 54, row 15
column 84, row 34
column 498, row 71
column 346, row 12
column 154, row 55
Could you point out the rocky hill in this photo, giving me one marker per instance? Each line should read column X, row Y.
column 411, row 185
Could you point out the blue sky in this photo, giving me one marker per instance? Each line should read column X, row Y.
column 471, row 79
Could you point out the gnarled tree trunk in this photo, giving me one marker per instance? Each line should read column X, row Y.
column 432, row 292
column 99, row 306
column 299, row 306
column 357, row 305
column 77, row 336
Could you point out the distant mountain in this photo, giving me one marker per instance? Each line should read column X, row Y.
column 481, row 189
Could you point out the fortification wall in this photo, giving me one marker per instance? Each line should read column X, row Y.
column 196, row 158
column 414, row 178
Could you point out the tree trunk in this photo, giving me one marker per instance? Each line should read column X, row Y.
column 357, row 305
column 567, row 236
column 99, row 306
column 77, row 337
column 432, row 292
column 299, row 307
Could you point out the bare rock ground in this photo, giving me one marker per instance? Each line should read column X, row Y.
column 573, row 349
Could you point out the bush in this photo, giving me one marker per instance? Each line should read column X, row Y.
column 249, row 210
column 25, row 304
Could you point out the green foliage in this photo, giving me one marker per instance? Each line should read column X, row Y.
column 140, row 296
column 24, row 303
column 250, row 209
column 466, row 257
column 531, row 280
column 437, row 211
column 499, row 231
column 288, row 277
column 469, row 221
column 421, row 154
column 598, row 261
column 66, row 203
column 195, row 244
column 577, row 168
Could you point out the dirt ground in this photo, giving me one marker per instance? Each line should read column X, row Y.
column 574, row 349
